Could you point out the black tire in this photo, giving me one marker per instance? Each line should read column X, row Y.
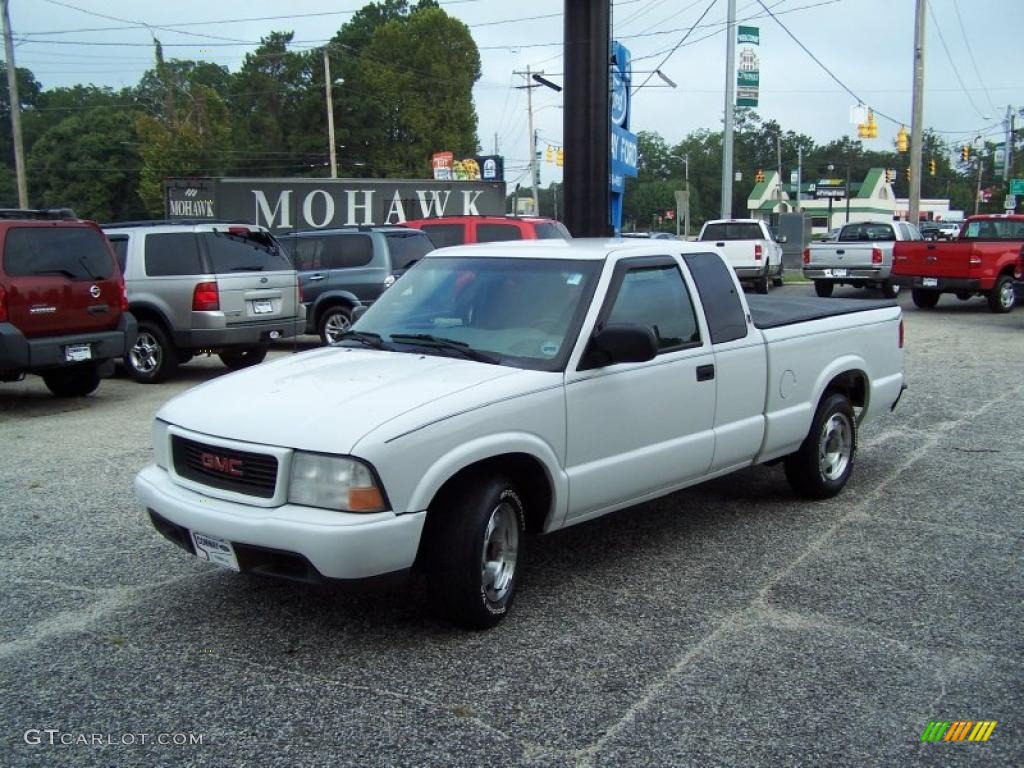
column 236, row 359
column 814, row 471
column 152, row 358
column 334, row 321
column 889, row 289
column 924, row 299
column 780, row 279
column 1002, row 296
column 823, row 288
column 456, row 536
column 761, row 284
column 76, row 381
column 964, row 295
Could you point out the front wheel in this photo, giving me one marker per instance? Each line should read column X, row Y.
column 823, row 464
column 924, row 299
column 890, row 289
column 474, row 537
column 333, row 324
column 823, row 288
column 236, row 359
column 1002, row 296
column 77, row 381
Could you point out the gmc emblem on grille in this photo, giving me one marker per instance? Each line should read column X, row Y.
column 222, row 464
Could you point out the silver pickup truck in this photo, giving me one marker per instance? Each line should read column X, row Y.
column 860, row 256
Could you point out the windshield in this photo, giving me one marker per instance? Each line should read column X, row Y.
column 524, row 312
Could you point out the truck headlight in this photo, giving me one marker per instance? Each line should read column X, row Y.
column 161, row 443
column 334, row 482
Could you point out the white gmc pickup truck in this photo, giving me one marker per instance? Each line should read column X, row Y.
column 511, row 388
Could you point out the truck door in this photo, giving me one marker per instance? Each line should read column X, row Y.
column 741, row 363
column 636, row 429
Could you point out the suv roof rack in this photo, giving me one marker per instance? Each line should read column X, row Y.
column 165, row 222
column 45, row 214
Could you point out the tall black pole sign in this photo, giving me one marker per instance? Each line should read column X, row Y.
column 586, row 126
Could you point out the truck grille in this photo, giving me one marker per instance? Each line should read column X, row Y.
column 254, row 474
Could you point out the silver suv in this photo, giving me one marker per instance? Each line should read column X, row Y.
column 218, row 288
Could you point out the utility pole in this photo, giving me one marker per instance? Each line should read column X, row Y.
column 977, row 192
column 730, row 86
column 1008, row 147
column 533, row 135
column 12, row 91
column 330, row 114
column 917, row 116
column 686, row 211
column 778, row 170
column 799, row 176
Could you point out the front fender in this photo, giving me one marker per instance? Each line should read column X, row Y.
column 488, row 447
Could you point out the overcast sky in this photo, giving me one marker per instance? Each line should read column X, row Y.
column 867, row 44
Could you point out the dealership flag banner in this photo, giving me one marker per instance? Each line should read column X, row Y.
column 748, row 69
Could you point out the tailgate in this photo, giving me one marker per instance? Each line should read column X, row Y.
column 932, row 259
column 739, row 253
column 62, row 280
column 850, row 255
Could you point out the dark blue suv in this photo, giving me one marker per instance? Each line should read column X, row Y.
column 341, row 269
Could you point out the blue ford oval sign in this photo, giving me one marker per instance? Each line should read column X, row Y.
column 620, row 97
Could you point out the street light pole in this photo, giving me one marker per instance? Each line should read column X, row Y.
column 328, row 94
column 917, row 115
column 730, row 85
column 15, row 102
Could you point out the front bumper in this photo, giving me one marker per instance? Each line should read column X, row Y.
column 338, row 545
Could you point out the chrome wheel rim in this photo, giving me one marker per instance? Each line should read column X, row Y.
column 145, row 355
column 1006, row 294
column 835, row 447
column 500, row 550
column 895, row 289
column 335, row 325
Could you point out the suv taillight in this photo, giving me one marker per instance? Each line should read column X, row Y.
column 124, row 295
column 3, row 305
column 205, row 297
column 758, row 252
column 876, row 255
column 807, row 255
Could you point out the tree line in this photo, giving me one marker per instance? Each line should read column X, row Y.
column 403, row 76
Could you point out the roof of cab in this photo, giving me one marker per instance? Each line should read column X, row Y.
column 593, row 249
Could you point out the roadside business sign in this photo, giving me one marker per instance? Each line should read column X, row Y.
column 822, row 192
column 748, row 68
column 442, row 163
column 1017, row 186
column 192, row 198
column 624, row 147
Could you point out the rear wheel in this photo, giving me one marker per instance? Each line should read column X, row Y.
column 333, row 323
column 824, row 462
column 964, row 295
column 779, row 280
column 924, row 299
column 890, row 290
column 1002, row 296
column 823, row 288
column 761, row 284
column 242, row 358
column 152, row 358
column 77, row 381
column 475, row 538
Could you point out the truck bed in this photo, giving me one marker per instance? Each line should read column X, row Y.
column 776, row 312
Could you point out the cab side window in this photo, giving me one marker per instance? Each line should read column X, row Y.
column 657, row 297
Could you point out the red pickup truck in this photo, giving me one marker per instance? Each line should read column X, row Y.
column 980, row 262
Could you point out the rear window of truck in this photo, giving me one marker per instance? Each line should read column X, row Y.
column 994, row 229
column 78, row 253
column 732, row 231
column 866, row 233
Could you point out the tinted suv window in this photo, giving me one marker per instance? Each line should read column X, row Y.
column 120, row 246
column 732, row 231
column 347, row 251
column 250, row 252
column 857, row 233
column 492, row 233
column 407, row 248
column 550, row 230
column 77, row 253
column 172, row 253
column 443, row 235
column 657, row 297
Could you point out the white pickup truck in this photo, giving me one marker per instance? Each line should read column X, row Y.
column 861, row 256
column 750, row 249
column 514, row 388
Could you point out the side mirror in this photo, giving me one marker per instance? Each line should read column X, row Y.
column 781, row 239
column 620, row 343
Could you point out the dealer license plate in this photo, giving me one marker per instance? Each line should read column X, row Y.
column 262, row 307
column 215, row 550
column 838, row 273
column 930, row 282
column 76, row 353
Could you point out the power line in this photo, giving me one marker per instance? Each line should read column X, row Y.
column 137, row 23
column 970, row 53
column 676, row 48
column 942, row 39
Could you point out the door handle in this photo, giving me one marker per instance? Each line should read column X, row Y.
column 840, row 251
column 314, row 278
column 705, row 372
column 719, row 245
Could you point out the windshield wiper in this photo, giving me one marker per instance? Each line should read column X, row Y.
column 461, row 347
column 85, row 266
column 366, row 339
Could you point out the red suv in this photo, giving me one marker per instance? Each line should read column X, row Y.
column 459, row 230
column 63, row 306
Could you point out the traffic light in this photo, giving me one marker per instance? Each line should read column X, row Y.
column 869, row 129
column 931, row 166
column 549, row 154
column 890, row 175
column 759, row 176
column 561, row 157
column 902, row 139
column 965, row 153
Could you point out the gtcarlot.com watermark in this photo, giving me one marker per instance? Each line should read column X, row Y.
column 55, row 737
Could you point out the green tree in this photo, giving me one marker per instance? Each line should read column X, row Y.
column 89, row 162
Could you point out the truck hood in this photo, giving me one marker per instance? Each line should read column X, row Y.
column 327, row 399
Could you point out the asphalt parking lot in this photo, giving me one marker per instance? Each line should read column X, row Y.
column 728, row 625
